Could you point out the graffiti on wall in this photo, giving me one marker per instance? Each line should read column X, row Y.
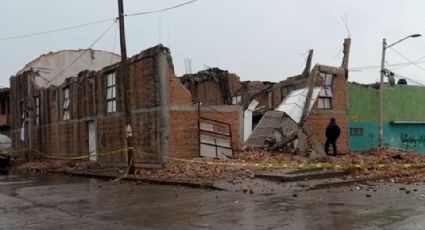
column 411, row 140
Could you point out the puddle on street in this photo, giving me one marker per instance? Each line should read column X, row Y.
column 32, row 200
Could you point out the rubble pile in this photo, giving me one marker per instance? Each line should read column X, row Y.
column 199, row 171
column 208, row 170
column 399, row 175
column 369, row 160
column 192, row 172
column 373, row 156
column 41, row 166
column 381, row 156
column 258, row 155
column 57, row 166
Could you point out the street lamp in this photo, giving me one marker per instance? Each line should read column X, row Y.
column 381, row 86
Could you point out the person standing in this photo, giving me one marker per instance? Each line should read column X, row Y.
column 332, row 133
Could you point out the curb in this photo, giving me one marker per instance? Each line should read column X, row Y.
column 207, row 185
column 294, row 176
column 345, row 183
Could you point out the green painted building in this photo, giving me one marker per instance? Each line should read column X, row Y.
column 404, row 117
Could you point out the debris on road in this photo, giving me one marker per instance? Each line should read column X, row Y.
column 208, row 170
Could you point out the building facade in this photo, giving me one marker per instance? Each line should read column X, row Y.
column 404, row 117
column 85, row 115
column 5, row 111
column 217, row 87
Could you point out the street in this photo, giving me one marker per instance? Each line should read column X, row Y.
column 63, row 202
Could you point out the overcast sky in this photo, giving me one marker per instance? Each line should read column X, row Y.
column 256, row 39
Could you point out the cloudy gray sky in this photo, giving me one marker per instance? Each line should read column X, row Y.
column 257, row 39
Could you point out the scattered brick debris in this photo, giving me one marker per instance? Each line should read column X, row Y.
column 201, row 171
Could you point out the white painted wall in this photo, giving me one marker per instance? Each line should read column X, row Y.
column 247, row 119
column 68, row 63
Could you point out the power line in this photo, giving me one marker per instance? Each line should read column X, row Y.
column 93, row 23
column 105, row 5
column 55, row 30
column 163, row 10
column 400, row 64
column 417, row 61
column 407, row 59
column 114, row 43
column 79, row 56
column 399, row 76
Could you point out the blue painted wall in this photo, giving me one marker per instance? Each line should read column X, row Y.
column 406, row 136
column 368, row 140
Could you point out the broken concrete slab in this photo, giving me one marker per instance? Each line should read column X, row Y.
column 270, row 121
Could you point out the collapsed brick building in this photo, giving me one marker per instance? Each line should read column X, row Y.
column 85, row 115
column 202, row 114
column 215, row 86
column 220, row 87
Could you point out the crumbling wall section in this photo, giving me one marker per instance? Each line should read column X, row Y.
column 179, row 94
column 18, row 113
column 184, row 141
column 212, row 86
column 283, row 88
column 147, row 110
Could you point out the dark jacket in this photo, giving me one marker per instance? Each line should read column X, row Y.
column 333, row 131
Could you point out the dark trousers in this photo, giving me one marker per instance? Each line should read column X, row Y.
column 333, row 143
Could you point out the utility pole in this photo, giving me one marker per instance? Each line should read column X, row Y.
column 381, row 96
column 122, row 33
column 381, row 86
column 30, row 111
column 126, row 79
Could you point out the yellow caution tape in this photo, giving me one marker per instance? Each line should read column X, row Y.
column 10, row 152
column 125, row 174
column 86, row 155
column 322, row 165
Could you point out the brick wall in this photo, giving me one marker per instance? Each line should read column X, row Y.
column 179, row 94
column 319, row 122
column 184, row 133
column 204, row 86
column 18, row 103
column 55, row 137
column 184, row 127
column 319, row 118
column 250, row 88
column 280, row 89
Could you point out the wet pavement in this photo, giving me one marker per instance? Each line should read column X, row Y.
column 65, row 202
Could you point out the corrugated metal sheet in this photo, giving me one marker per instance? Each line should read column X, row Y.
column 293, row 104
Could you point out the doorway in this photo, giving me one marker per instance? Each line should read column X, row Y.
column 92, row 140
